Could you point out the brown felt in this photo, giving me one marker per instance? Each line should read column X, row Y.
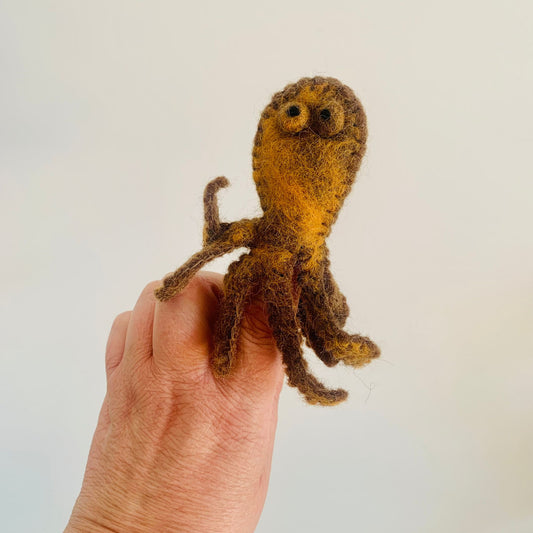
column 308, row 147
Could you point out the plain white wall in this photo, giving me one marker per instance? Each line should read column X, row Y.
column 115, row 114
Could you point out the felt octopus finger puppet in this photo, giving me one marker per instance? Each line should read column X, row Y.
column 308, row 147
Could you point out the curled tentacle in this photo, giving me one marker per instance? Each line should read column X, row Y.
column 282, row 317
column 219, row 238
column 241, row 232
column 313, row 340
column 323, row 282
column 336, row 299
column 325, row 335
column 212, row 224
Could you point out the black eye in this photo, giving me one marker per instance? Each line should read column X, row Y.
column 325, row 114
column 293, row 117
column 328, row 118
column 293, row 111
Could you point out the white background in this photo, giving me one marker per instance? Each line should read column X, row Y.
column 115, row 114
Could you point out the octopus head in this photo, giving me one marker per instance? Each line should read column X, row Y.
column 308, row 147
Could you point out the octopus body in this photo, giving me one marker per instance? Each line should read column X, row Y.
column 308, row 147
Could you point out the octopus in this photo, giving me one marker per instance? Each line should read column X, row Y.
column 309, row 144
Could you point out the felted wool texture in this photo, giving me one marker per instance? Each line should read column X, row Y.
column 308, row 147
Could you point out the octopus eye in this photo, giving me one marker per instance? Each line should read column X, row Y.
column 293, row 117
column 293, row 111
column 329, row 119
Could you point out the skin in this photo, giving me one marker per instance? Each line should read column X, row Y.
column 308, row 147
column 175, row 448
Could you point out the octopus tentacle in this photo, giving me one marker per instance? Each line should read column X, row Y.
column 283, row 321
column 313, row 340
column 337, row 300
column 323, row 282
column 219, row 239
column 354, row 350
column 177, row 281
column 238, row 284
column 212, row 224
column 242, row 232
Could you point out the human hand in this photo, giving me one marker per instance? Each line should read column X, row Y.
column 175, row 448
